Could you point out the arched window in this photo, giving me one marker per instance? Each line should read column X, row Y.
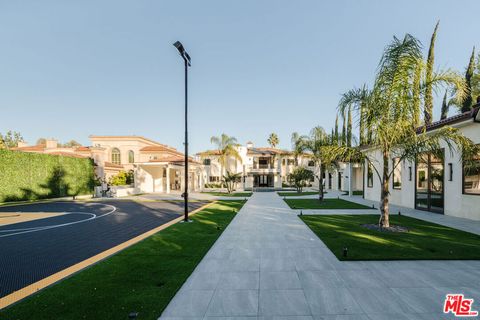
column 131, row 157
column 116, row 156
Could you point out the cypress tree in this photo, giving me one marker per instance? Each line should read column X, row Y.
column 428, row 77
column 344, row 130
column 468, row 103
column 444, row 107
column 336, row 130
column 349, row 128
column 362, row 124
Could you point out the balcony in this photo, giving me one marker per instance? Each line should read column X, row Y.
column 262, row 168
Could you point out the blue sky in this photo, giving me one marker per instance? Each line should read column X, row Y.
column 69, row 69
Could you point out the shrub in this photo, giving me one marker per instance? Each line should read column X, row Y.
column 31, row 176
column 122, row 178
column 300, row 177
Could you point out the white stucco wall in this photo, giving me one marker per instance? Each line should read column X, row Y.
column 455, row 202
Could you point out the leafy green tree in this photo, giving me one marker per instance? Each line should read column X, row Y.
column 392, row 110
column 71, row 144
column 41, row 142
column 428, row 100
column 468, row 102
column 300, row 177
column 226, row 148
column 11, row 139
column 230, row 180
column 273, row 140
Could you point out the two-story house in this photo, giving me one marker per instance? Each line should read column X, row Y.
column 260, row 167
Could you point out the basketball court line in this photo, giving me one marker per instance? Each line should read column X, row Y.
column 50, row 280
column 93, row 216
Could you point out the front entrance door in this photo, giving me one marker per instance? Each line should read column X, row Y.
column 429, row 183
column 263, row 180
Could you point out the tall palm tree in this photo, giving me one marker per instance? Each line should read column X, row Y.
column 226, row 148
column 273, row 140
column 298, row 145
column 326, row 154
column 392, row 109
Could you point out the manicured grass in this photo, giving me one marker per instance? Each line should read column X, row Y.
column 297, row 194
column 424, row 241
column 141, row 278
column 324, row 204
column 233, row 194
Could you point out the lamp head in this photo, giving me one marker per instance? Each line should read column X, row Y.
column 182, row 52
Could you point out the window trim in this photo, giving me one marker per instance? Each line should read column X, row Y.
column 119, row 156
column 393, row 174
column 463, row 182
column 369, row 168
column 131, row 156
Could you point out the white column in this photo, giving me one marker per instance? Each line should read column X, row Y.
column 182, row 180
column 168, row 179
column 350, row 179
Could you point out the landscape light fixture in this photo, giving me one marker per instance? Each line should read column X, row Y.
column 187, row 61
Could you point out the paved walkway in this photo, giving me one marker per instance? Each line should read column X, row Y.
column 269, row 264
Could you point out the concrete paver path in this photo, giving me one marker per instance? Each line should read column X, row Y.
column 269, row 264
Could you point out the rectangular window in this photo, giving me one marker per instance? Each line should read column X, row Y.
column 369, row 175
column 471, row 177
column 214, row 179
column 283, row 162
column 311, row 163
column 290, row 162
column 397, row 173
column 206, row 162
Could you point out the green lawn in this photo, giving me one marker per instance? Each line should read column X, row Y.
column 225, row 194
column 424, row 240
column 296, row 194
column 141, row 278
column 324, row 204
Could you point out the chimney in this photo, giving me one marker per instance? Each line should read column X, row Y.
column 249, row 144
column 51, row 144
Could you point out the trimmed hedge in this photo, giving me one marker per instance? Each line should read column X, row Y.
column 31, row 176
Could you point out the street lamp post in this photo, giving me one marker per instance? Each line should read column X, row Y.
column 187, row 60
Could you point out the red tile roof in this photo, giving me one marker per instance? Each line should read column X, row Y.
column 29, row 148
column 82, row 148
column 161, row 148
column 113, row 165
column 173, row 159
column 451, row 120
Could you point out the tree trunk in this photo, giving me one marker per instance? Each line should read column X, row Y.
column 384, row 221
column 320, row 184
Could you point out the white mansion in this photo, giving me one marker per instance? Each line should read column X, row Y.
column 436, row 185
